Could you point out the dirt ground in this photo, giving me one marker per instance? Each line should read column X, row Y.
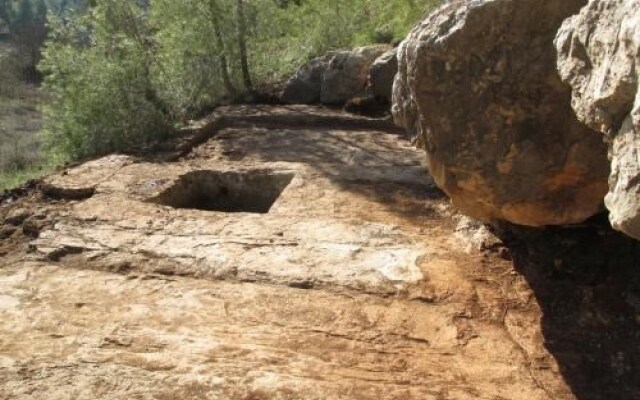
column 299, row 253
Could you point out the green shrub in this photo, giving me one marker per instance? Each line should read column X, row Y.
column 98, row 71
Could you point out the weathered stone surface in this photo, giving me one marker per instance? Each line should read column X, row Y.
column 347, row 74
column 478, row 81
column 337, row 77
column 360, row 283
column 305, row 86
column 80, row 183
column 623, row 199
column 122, row 297
column 403, row 104
column 297, row 243
column 599, row 56
column 382, row 73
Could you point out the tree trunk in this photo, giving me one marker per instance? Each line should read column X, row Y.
column 4, row 13
column 242, row 44
column 224, row 64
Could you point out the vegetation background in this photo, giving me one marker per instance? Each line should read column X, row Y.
column 81, row 78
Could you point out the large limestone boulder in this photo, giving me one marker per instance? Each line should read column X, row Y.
column 305, row 86
column 477, row 80
column 599, row 56
column 382, row 73
column 347, row 74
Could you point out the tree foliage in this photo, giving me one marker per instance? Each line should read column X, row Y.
column 98, row 67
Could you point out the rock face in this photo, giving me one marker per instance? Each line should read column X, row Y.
column 340, row 76
column 347, row 74
column 305, row 86
column 382, row 73
column 477, row 80
column 403, row 104
column 599, row 56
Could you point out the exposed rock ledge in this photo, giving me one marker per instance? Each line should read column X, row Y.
column 359, row 283
column 477, row 81
column 599, row 56
column 353, row 285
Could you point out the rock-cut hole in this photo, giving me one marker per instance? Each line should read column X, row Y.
column 226, row 191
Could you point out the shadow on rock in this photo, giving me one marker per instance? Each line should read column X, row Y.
column 587, row 282
column 370, row 157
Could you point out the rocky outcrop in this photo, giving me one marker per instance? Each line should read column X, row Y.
column 334, row 78
column 477, row 81
column 347, row 74
column 599, row 56
column 382, row 73
column 305, row 86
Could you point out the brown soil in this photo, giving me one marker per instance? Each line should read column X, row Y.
column 354, row 279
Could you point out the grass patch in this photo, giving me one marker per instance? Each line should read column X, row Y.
column 10, row 180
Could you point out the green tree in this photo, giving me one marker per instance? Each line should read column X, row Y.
column 104, row 96
column 28, row 33
column 126, row 71
column 242, row 45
